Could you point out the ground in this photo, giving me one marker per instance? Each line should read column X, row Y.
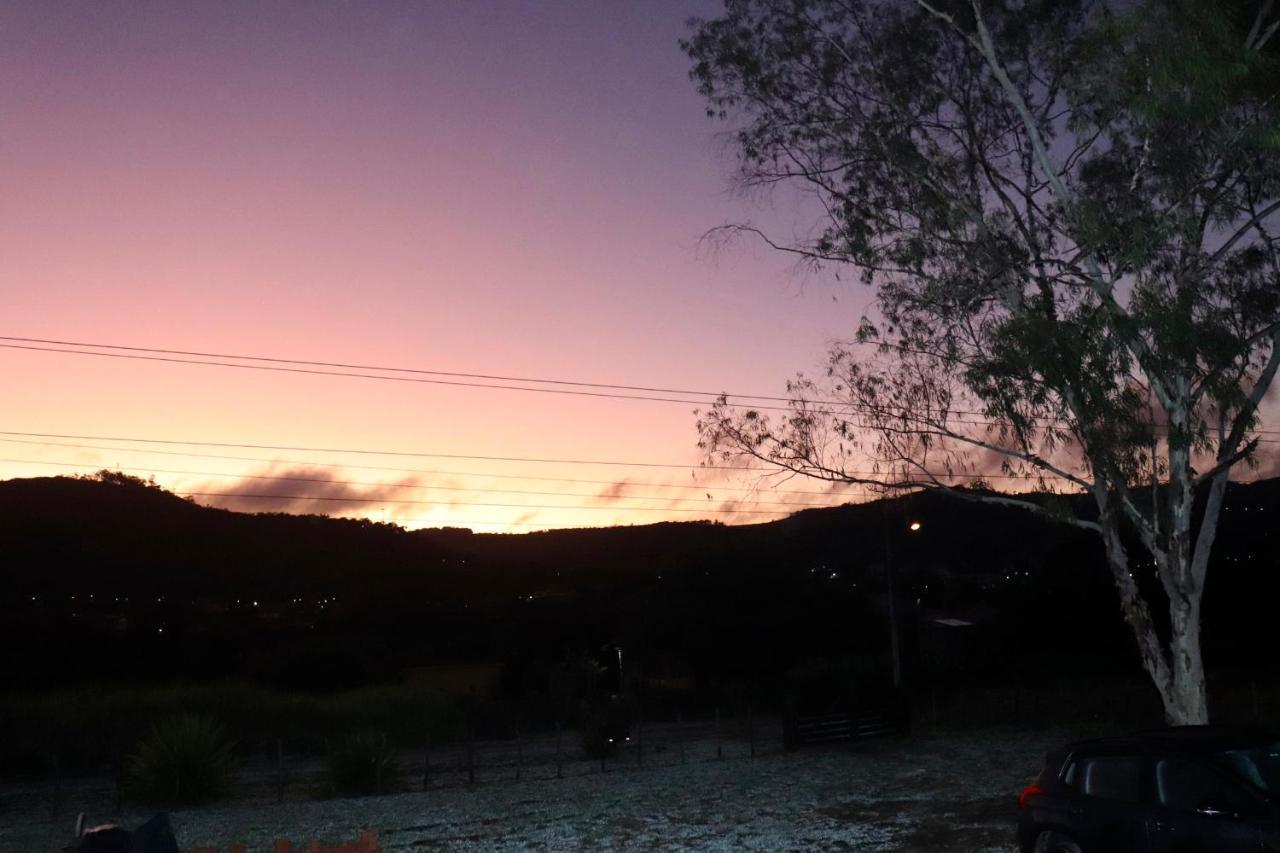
column 926, row 793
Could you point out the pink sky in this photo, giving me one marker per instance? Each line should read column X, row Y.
column 506, row 188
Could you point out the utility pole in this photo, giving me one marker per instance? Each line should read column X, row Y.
column 894, row 649
column 895, row 642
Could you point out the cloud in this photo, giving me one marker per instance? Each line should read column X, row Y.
column 611, row 493
column 307, row 490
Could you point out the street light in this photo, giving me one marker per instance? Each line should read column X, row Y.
column 894, row 641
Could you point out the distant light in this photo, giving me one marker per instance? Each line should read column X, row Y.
column 915, row 525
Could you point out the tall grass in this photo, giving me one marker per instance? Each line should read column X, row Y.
column 363, row 763
column 184, row 760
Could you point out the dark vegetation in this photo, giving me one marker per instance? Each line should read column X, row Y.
column 364, row 763
column 183, row 760
column 119, row 583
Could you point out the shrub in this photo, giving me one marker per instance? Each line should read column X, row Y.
column 364, row 763
column 183, row 760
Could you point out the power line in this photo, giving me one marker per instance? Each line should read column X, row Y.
column 251, row 496
column 435, row 472
column 418, row 371
column 414, row 379
column 413, row 453
column 461, row 384
column 522, row 459
column 383, row 485
column 275, row 364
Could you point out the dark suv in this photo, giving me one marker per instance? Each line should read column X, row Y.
column 1193, row 789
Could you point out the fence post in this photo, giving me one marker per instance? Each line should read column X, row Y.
column 282, row 845
column 471, row 756
column 57, row 783
column 279, row 770
column 119, row 774
column 559, row 754
column 719, row 737
column 639, row 739
column 426, row 759
column 519, row 753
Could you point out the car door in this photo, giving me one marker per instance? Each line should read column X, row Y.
column 1107, row 806
column 1197, row 808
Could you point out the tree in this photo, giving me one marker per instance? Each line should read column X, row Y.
column 1067, row 211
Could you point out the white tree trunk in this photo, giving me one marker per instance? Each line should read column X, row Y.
column 1176, row 670
column 1185, row 699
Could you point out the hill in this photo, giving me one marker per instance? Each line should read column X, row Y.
column 114, row 578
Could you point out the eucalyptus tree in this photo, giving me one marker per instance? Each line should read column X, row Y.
column 1068, row 212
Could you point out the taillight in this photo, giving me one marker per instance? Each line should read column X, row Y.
column 1029, row 791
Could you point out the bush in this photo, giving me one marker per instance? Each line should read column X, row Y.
column 364, row 763
column 183, row 760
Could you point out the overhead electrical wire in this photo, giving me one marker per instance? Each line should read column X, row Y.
column 310, row 367
column 521, row 459
column 366, row 452
column 414, row 370
column 316, row 464
column 418, row 487
column 452, row 504
column 414, row 379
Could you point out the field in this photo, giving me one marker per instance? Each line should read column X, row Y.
column 927, row 793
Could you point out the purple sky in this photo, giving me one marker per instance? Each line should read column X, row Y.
column 507, row 188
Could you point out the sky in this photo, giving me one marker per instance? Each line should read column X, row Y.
column 511, row 189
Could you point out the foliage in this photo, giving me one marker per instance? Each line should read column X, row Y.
column 1067, row 209
column 184, row 760
column 94, row 727
column 364, row 763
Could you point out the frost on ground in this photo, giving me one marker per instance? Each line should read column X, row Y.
column 928, row 793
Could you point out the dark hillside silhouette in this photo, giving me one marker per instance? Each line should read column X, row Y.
column 118, row 579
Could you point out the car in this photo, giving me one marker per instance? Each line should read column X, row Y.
column 1185, row 789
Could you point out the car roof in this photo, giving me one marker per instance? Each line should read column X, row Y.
column 1197, row 740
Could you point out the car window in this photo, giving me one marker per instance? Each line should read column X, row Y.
column 1108, row 777
column 1188, row 786
column 1260, row 766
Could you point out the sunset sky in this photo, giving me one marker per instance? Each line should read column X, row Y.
column 503, row 188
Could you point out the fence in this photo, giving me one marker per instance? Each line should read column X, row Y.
column 272, row 772
column 275, row 771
